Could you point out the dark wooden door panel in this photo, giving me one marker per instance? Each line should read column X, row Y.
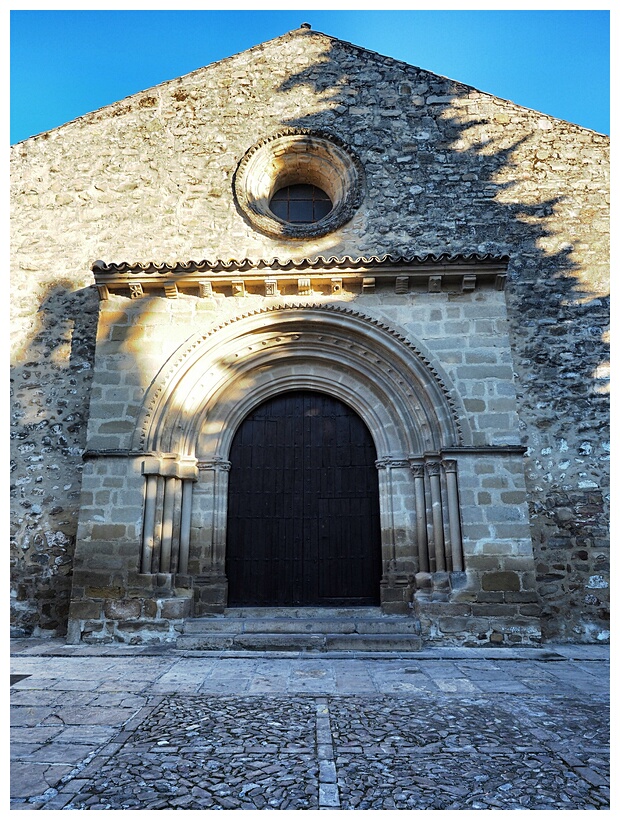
column 303, row 520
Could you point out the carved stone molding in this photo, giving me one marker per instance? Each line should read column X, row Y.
column 428, row 273
column 216, row 464
column 391, row 461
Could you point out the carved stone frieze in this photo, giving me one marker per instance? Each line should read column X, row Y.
column 215, row 464
column 430, row 273
column 271, row 287
column 391, row 461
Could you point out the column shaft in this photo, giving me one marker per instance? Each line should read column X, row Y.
column 167, row 524
column 456, row 542
column 437, row 516
column 220, row 507
column 186, row 517
column 148, row 526
column 420, row 509
column 176, row 525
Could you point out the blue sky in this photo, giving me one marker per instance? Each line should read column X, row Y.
column 66, row 63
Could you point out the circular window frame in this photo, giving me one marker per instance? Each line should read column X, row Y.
column 294, row 157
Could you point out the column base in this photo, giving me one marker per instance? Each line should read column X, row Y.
column 397, row 594
column 210, row 594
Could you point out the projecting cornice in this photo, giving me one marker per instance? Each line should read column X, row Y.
column 274, row 277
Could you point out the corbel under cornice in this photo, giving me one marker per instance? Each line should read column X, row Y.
column 274, row 277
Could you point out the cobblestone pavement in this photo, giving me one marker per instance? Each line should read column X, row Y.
column 96, row 728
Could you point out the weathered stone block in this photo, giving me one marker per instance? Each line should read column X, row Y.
column 107, row 532
column 175, row 608
column 134, row 627
column 105, row 592
column 501, row 581
column 122, row 609
column 139, row 583
column 91, row 578
column 463, row 625
column 530, row 610
column 488, row 610
column 149, row 608
column 481, row 563
column 85, row 610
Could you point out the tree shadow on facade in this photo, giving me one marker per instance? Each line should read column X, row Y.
column 450, row 172
column 50, row 385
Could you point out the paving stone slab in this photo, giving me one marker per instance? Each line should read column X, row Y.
column 399, row 743
column 432, row 753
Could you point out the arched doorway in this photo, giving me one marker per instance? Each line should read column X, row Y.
column 303, row 506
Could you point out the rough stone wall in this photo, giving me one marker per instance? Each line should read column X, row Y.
column 448, row 168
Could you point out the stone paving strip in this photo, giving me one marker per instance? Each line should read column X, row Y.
column 182, row 731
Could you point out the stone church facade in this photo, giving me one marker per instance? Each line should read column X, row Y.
column 311, row 327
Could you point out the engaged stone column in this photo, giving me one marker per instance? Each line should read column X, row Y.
column 219, row 469
column 211, row 583
column 420, row 509
column 171, row 504
column 148, row 529
column 454, row 516
column 167, row 513
column 186, row 519
column 386, row 514
column 433, row 468
column 398, row 537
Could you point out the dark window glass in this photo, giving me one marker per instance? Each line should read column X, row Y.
column 300, row 204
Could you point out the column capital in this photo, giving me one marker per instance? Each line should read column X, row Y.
column 216, row 464
column 433, row 467
column 449, row 465
column 171, row 465
column 391, row 461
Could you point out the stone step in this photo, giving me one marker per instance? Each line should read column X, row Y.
column 295, row 642
column 375, row 626
column 321, row 612
column 304, row 628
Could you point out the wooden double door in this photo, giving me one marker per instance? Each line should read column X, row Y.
column 303, row 506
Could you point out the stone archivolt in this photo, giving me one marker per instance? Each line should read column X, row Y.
column 222, row 376
column 201, row 397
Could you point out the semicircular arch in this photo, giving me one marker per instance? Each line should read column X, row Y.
column 214, row 380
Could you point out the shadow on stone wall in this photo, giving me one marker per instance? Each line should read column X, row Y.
column 50, row 385
column 455, row 188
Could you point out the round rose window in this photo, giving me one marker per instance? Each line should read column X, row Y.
column 298, row 185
